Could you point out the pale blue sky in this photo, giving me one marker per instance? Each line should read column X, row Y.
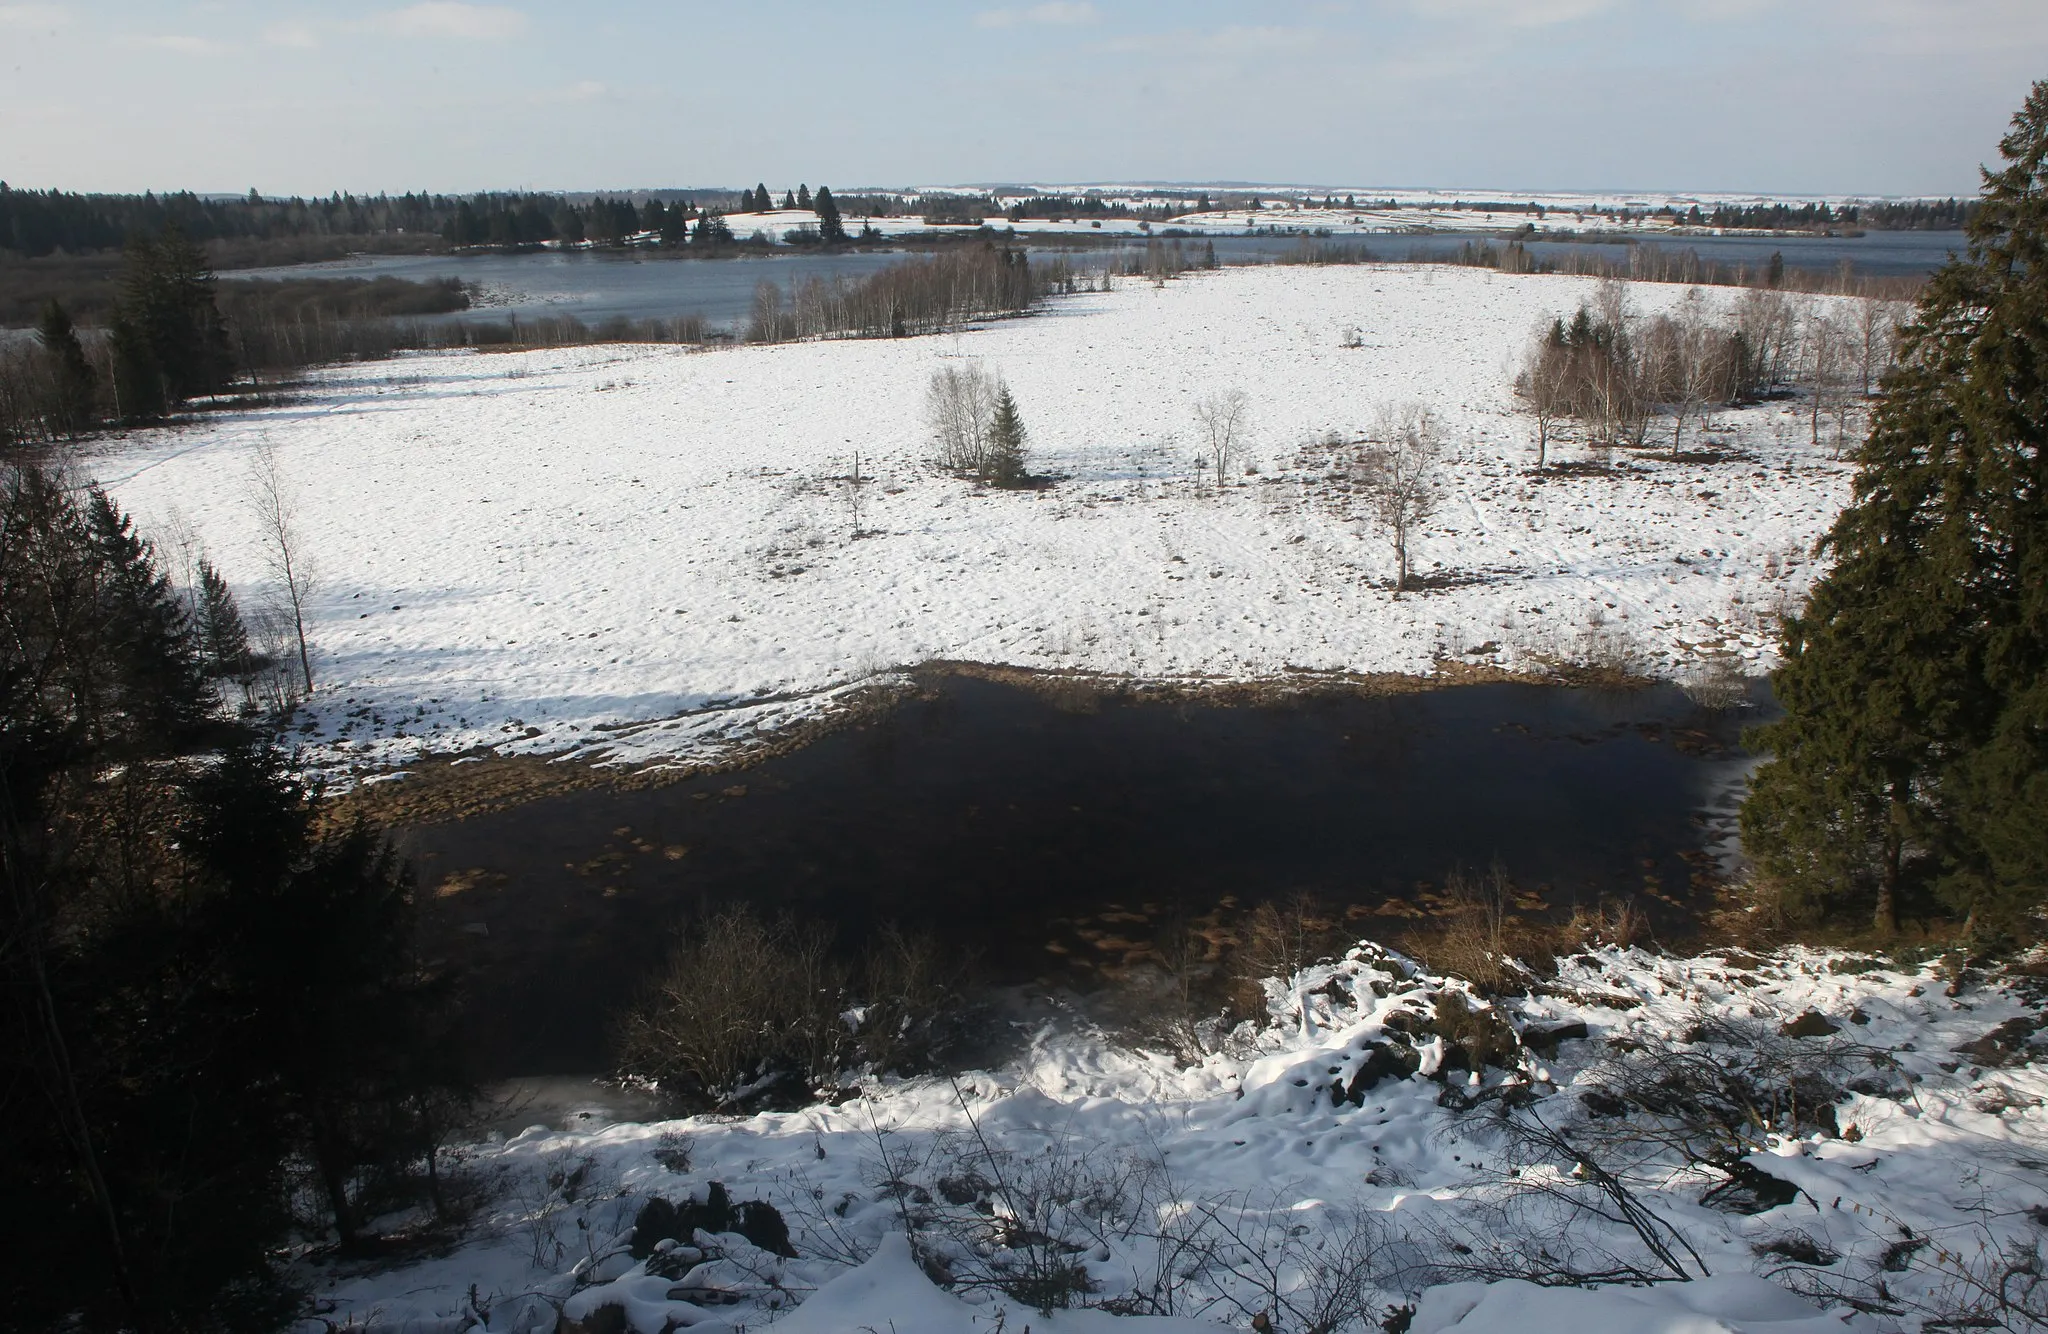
column 1787, row 96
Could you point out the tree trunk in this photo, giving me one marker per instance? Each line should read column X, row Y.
column 1885, row 921
column 334, row 1181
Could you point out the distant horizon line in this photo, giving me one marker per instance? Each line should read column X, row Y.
column 1433, row 193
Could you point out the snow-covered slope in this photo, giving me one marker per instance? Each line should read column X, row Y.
column 646, row 552
column 1243, row 1183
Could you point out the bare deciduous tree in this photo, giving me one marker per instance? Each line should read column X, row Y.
column 1222, row 418
column 960, row 406
column 1877, row 324
column 1824, row 352
column 276, row 511
column 1397, row 476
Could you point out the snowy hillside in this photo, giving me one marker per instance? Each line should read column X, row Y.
column 645, row 552
column 1882, row 1143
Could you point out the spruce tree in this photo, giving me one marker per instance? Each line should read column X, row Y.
column 1912, row 765
column 1005, row 455
column 763, row 201
column 803, row 195
column 831, row 230
column 74, row 388
column 712, row 230
column 223, row 637
column 167, row 323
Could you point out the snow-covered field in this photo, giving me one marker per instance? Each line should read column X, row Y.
column 1279, row 216
column 1247, row 1182
column 644, row 552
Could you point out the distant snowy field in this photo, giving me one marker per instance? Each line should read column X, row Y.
column 1278, row 216
column 645, row 553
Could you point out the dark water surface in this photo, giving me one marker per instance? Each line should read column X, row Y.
column 1053, row 839
column 598, row 285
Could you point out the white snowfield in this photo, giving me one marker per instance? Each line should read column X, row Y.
column 646, row 554
column 1284, row 216
column 1935, row 1170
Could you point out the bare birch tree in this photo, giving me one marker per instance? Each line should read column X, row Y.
column 277, row 511
column 1396, row 474
column 1222, row 418
column 1877, row 325
column 959, row 406
column 1824, row 354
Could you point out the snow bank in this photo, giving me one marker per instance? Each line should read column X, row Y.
column 1939, row 1161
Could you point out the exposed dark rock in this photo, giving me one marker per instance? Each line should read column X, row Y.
column 607, row 1319
column 1383, row 1061
column 1812, row 1024
column 1750, row 1190
column 1543, row 1038
column 757, row 1220
column 1474, row 1039
column 2003, row 1045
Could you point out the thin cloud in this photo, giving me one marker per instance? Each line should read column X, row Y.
column 185, row 45
column 449, row 18
column 298, row 36
column 1237, row 39
column 583, row 90
column 1059, row 14
column 29, row 18
column 1516, row 13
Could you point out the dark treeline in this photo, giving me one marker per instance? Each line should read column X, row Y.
column 220, row 1040
column 38, row 223
column 176, row 335
column 42, row 222
column 1638, row 263
column 1907, row 215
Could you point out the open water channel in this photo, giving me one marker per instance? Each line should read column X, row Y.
column 599, row 285
column 1053, row 835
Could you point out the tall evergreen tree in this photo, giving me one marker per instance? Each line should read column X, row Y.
column 1912, row 765
column 1005, row 456
column 712, row 230
column 223, row 637
column 763, row 201
column 74, row 388
column 803, row 195
column 167, row 326
column 675, row 226
column 831, row 230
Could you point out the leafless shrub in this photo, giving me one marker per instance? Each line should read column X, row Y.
column 1318, row 1278
column 1549, row 1184
column 1715, row 1096
column 742, row 1008
column 750, row 1012
column 914, row 989
column 1604, row 654
column 1967, row 1276
column 1278, row 940
column 1717, row 683
column 1473, row 935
